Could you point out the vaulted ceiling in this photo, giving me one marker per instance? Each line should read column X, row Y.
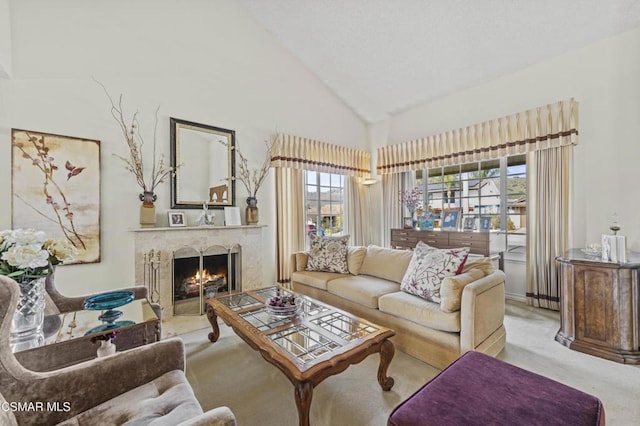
column 382, row 56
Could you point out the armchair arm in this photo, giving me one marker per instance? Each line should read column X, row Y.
column 91, row 383
column 70, row 304
column 482, row 310
column 220, row 416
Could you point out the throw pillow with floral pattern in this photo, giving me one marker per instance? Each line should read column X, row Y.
column 328, row 254
column 428, row 268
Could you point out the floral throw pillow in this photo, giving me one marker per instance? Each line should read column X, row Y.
column 328, row 254
column 428, row 268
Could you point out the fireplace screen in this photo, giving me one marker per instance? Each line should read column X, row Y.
column 198, row 276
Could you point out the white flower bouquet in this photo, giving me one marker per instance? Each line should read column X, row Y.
column 27, row 254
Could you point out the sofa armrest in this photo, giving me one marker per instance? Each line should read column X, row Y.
column 482, row 310
column 220, row 416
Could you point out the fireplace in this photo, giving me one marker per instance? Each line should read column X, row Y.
column 199, row 275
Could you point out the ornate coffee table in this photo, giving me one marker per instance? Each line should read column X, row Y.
column 317, row 343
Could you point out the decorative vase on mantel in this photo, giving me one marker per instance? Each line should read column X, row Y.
column 148, row 209
column 26, row 325
column 251, row 212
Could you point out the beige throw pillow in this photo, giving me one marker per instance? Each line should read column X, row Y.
column 328, row 254
column 482, row 263
column 301, row 261
column 355, row 257
column 451, row 289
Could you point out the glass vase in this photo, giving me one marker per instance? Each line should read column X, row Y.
column 251, row 212
column 26, row 325
column 107, row 347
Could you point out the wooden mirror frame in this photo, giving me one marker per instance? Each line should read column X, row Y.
column 179, row 160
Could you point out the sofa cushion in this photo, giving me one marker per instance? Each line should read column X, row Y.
column 355, row 257
column 451, row 289
column 166, row 400
column 386, row 263
column 315, row 279
column 328, row 254
column 427, row 269
column 362, row 289
column 420, row 311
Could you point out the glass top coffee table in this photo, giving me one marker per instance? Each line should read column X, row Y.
column 319, row 342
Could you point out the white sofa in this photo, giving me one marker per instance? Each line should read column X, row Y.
column 469, row 317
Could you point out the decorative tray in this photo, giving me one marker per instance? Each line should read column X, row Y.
column 108, row 300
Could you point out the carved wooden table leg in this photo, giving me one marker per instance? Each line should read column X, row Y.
column 387, row 350
column 304, row 392
column 213, row 319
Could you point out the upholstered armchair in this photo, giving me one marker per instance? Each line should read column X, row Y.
column 145, row 385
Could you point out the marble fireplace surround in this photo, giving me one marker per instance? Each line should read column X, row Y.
column 168, row 240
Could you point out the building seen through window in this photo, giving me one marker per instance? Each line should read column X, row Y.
column 324, row 203
column 487, row 196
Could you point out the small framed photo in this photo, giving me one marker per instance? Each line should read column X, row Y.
column 176, row 218
column 469, row 224
column 232, row 216
column 407, row 223
column 485, row 223
column 450, row 219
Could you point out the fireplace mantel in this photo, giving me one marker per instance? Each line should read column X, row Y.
column 198, row 228
column 169, row 239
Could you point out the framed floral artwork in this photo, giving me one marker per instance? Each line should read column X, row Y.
column 55, row 184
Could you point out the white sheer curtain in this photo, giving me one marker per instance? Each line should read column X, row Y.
column 290, row 223
column 548, row 231
column 391, row 185
column 358, row 217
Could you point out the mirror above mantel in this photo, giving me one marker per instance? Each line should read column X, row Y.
column 206, row 160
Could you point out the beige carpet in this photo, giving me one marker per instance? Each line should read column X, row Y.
column 229, row 373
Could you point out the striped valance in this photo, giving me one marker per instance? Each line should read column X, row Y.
column 297, row 152
column 539, row 128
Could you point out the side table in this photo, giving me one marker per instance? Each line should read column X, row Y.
column 599, row 306
column 66, row 341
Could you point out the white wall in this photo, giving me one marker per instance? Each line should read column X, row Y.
column 203, row 61
column 605, row 79
column 5, row 40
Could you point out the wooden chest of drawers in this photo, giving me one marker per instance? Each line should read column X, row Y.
column 488, row 244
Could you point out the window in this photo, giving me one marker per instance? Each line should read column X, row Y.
column 325, row 203
column 491, row 194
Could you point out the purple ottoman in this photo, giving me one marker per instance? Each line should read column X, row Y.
column 477, row 389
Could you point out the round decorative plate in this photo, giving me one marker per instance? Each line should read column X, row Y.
column 109, row 300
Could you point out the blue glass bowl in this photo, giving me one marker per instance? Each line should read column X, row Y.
column 109, row 300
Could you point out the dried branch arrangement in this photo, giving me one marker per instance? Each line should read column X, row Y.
column 252, row 179
column 134, row 161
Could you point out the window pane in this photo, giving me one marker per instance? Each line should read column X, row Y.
column 325, row 179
